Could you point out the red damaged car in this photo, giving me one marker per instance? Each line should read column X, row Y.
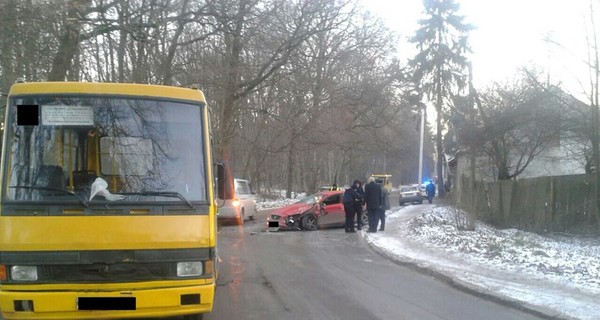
column 320, row 210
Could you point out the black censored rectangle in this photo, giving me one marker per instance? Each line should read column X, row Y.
column 28, row 115
column 127, row 303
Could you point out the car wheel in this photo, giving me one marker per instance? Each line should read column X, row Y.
column 421, row 202
column 401, row 203
column 309, row 222
column 199, row 316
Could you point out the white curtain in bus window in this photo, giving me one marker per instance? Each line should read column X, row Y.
column 126, row 156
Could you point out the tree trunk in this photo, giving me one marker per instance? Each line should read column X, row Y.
column 290, row 166
column 138, row 72
column 596, row 139
column 69, row 41
column 123, row 18
column 233, row 49
column 8, row 29
column 439, row 141
column 595, row 113
column 316, row 173
column 167, row 64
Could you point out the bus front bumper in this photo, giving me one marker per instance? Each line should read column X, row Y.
column 145, row 303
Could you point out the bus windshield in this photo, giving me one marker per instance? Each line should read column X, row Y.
column 144, row 149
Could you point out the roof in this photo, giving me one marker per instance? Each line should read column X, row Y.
column 329, row 193
column 94, row 88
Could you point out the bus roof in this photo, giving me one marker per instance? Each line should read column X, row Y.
column 126, row 89
column 381, row 175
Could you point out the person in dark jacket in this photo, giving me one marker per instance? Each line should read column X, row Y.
column 430, row 189
column 373, row 198
column 358, row 205
column 351, row 196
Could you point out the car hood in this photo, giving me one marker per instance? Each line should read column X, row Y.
column 292, row 209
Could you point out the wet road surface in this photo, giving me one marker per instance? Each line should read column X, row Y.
column 329, row 274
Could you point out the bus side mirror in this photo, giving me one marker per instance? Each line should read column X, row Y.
column 224, row 182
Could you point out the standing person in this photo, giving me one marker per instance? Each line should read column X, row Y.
column 373, row 198
column 349, row 199
column 430, row 189
column 358, row 204
column 385, row 199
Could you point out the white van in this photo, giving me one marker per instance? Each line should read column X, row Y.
column 242, row 206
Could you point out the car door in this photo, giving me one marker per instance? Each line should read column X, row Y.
column 333, row 212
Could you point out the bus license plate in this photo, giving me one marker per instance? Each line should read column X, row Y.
column 108, row 303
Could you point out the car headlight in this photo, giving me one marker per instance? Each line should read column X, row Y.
column 189, row 269
column 293, row 218
column 23, row 273
column 235, row 203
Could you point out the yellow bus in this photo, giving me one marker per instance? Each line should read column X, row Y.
column 384, row 180
column 108, row 203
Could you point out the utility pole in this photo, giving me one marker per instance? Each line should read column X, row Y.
column 422, row 133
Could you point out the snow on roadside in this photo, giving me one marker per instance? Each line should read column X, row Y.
column 281, row 201
column 559, row 258
column 558, row 275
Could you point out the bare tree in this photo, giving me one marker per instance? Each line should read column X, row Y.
column 518, row 121
column 594, row 94
column 243, row 22
column 28, row 37
column 69, row 41
column 300, row 92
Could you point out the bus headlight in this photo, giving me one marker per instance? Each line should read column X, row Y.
column 23, row 273
column 189, row 269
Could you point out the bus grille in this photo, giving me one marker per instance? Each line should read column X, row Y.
column 118, row 272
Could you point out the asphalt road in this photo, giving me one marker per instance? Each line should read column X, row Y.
column 328, row 274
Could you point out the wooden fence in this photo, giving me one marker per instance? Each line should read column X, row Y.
column 564, row 204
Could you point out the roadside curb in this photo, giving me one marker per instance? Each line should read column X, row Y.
column 467, row 287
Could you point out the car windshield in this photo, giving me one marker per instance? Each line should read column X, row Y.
column 312, row 199
column 148, row 149
column 409, row 189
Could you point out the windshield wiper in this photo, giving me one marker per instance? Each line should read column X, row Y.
column 170, row 194
column 83, row 201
